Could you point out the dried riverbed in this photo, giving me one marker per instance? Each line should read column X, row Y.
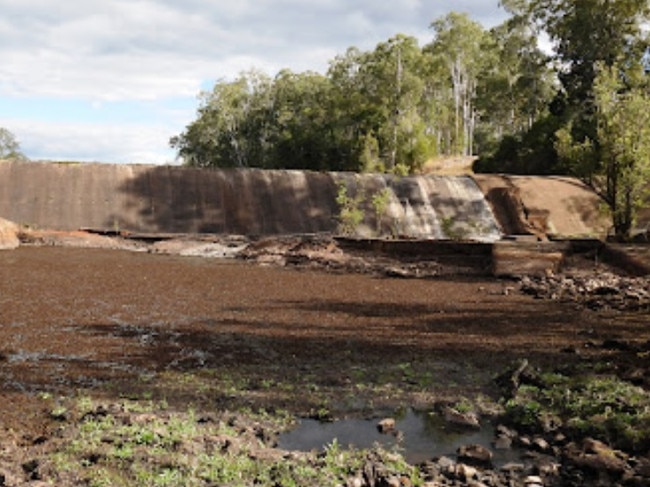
column 216, row 335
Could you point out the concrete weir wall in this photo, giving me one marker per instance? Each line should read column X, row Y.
column 172, row 199
column 153, row 199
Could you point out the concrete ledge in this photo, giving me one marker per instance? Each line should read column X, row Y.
column 516, row 259
column 8, row 235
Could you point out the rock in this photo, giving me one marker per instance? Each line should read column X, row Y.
column 399, row 272
column 604, row 290
column 8, row 235
column 502, row 443
column 30, row 468
column 475, row 454
column 548, row 468
column 512, row 467
column 386, row 425
column 468, row 419
column 533, row 481
column 465, row 472
column 354, row 482
column 597, row 456
column 445, row 463
column 392, row 481
column 524, row 441
column 541, row 445
column 643, row 467
column 503, row 430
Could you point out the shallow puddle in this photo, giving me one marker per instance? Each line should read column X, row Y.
column 422, row 437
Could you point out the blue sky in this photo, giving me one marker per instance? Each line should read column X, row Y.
column 113, row 80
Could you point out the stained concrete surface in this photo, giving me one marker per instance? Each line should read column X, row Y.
column 154, row 199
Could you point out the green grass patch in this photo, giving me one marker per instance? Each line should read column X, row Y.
column 603, row 407
column 144, row 443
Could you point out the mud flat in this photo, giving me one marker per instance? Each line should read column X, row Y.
column 222, row 337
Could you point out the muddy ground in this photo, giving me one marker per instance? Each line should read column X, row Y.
column 219, row 334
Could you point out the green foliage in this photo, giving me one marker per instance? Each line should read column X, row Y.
column 617, row 161
column 350, row 213
column 380, row 202
column 9, row 146
column 604, row 407
column 585, row 35
column 449, row 229
column 390, row 109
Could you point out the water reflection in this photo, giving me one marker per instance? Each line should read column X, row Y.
column 422, row 437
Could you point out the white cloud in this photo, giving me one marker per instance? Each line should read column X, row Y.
column 154, row 50
column 84, row 141
column 146, row 49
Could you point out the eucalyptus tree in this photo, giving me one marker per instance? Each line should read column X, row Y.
column 585, row 34
column 393, row 83
column 517, row 82
column 458, row 49
column 354, row 117
column 378, row 106
column 232, row 127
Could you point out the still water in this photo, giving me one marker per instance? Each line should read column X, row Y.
column 423, row 437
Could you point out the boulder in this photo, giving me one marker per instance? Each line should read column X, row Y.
column 386, row 425
column 8, row 235
column 467, row 419
column 475, row 455
column 596, row 456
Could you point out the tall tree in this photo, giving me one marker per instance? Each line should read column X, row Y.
column 354, row 116
column 586, row 33
column 230, row 130
column 392, row 81
column 458, row 46
column 378, row 106
column 517, row 83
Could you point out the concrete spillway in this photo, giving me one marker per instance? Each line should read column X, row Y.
column 436, row 207
column 153, row 199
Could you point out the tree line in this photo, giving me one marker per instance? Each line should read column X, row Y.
column 388, row 109
column 582, row 110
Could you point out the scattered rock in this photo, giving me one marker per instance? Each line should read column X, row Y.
column 604, row 290
column 31, row 469
column 541, row 445
column 502, row 443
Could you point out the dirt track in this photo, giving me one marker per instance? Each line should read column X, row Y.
column 83, row 321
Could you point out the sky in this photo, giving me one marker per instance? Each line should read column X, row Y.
column 112, row 80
